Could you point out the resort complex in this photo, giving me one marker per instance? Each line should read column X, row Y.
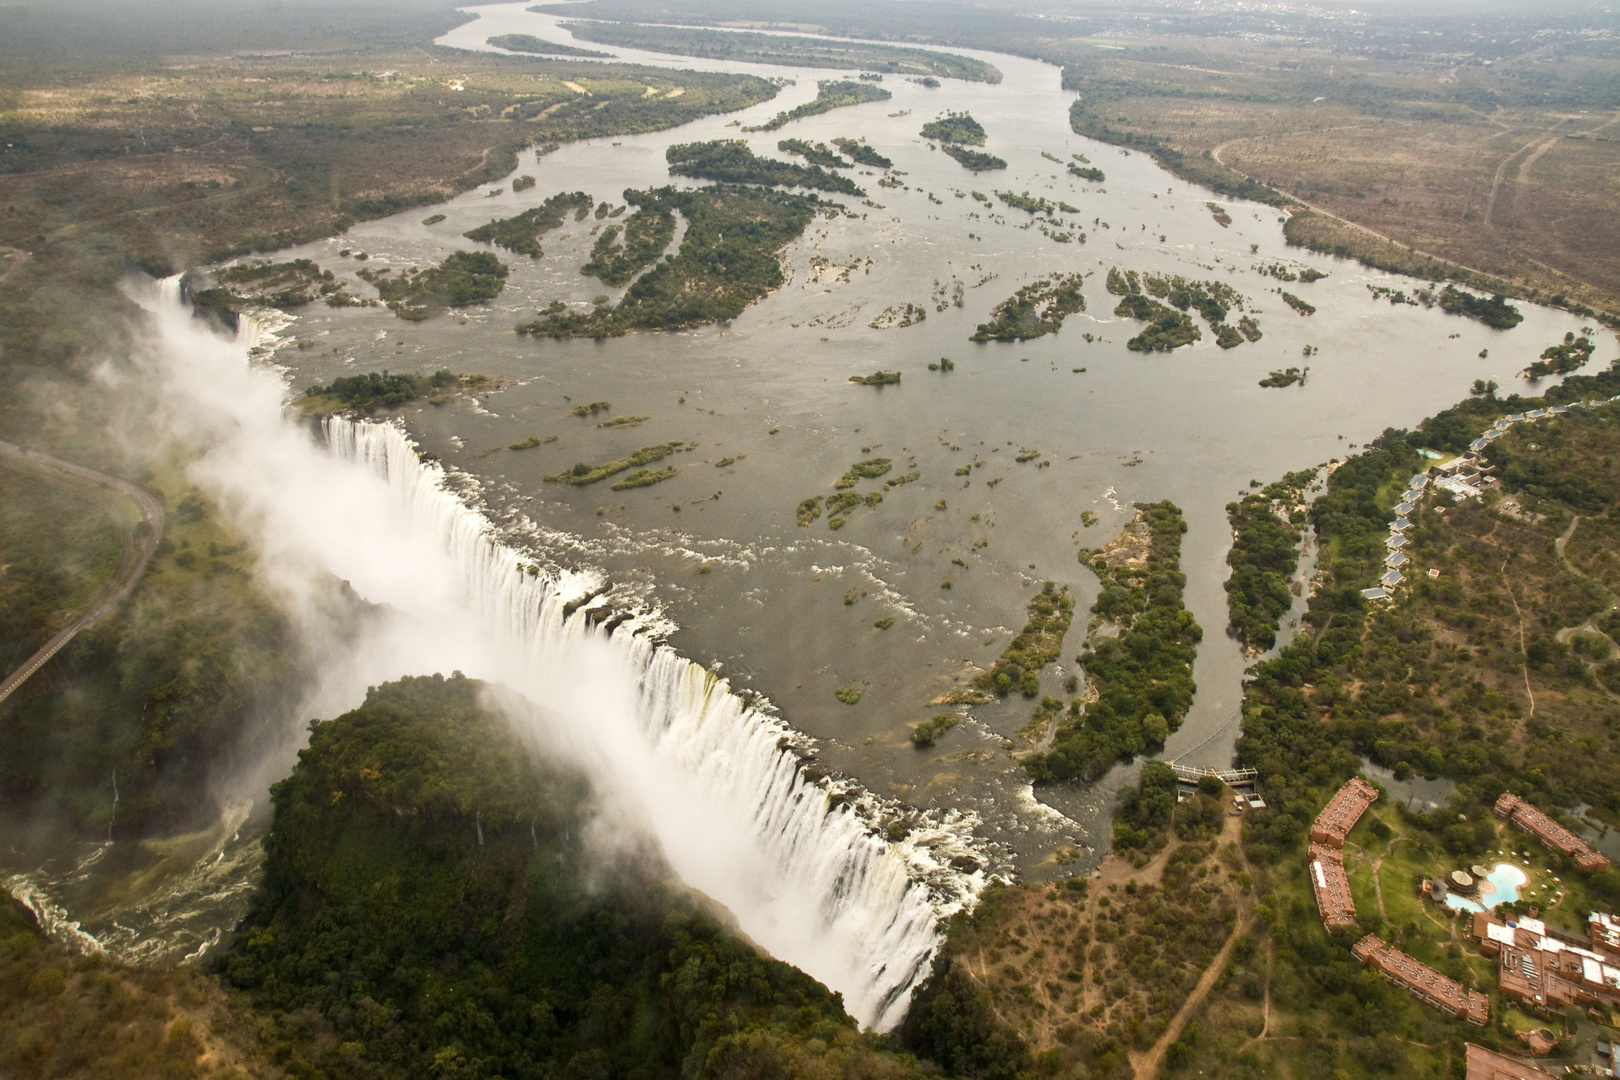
column 1547, row 969
column 1548, row 832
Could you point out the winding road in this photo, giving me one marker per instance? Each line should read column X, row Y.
column 138, row 549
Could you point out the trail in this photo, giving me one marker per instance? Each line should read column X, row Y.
column 137, row 553
column 1525, row 665
column 1147, row 1066
column 1216, row 154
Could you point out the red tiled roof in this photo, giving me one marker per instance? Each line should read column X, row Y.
column 1549, row 832
column 1342, row 812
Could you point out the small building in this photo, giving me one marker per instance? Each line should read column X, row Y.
column 1374, row 594
column 1418, row 482
column 1342, row 812
column 1411, row 495
column 1400, row 524
column 1479, row 444
column 1395, row 559
column 1422, row 981
column 1391, row 579
column 1404, row 508
column 1605, row 931
column 1395, row 541
column 1486, row 1064
column 1552, row 835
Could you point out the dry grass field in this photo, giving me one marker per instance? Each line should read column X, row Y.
column 1453, row 163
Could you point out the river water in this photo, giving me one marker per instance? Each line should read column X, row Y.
column 714, row 559
column 762, row 600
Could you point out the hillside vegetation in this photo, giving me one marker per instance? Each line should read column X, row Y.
column 433, row 905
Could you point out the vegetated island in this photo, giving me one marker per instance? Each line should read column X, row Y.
column 877, row 378
column 819, row 154
column 830, row 94
column 528, row 43
column 927, row 733
column 268, row 284
column 464, row 278
column 622, row 252
column 1038, row 644
column 372, row 391
column 973, row 160
column 785, row 50
column 522, row 232
column 955, row 132
column 583, row 473
column 730, row 161
column 728, row 258
column 858, row 152
column 1171, row 327
column 1562, row 359
column 1493, row 311
column 1142, row 678
column 840, row 505
column 558, row 955
column 1086, row 172
column 955, row 127
column 1266, row 530
column 1285, row 377
column 1035, row 310
column 1036, row 204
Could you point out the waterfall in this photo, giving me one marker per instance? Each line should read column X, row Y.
column 825, row 886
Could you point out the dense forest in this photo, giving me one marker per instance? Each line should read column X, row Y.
column 1266, row 530
column 464, row 278
column 1142, row 678
column 732, row 162
column 434, row 905
column 727, row 260
column 522, row 233
column 1035, row 310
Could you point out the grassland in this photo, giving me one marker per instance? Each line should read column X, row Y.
column 1414, row 164
column 72, row 1016
column 1092, row 977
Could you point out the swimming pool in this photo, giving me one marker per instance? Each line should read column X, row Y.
column 1507, row 880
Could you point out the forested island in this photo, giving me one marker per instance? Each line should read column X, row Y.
column 1035, row 310
column 521, row 234
column 1142, row 678
column 830, row 95
column 727, row 260
column 732, row 162
column 528, row 43
column 462, row 279
column 784, row 49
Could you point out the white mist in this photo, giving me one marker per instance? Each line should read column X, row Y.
column 802, row 864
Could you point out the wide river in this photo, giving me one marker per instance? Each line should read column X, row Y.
column 788, row 612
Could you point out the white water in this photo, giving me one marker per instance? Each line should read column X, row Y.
column 803, row 861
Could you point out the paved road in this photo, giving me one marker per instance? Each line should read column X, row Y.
column 137, row 553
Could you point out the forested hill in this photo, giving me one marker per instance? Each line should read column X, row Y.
column 430, row 908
